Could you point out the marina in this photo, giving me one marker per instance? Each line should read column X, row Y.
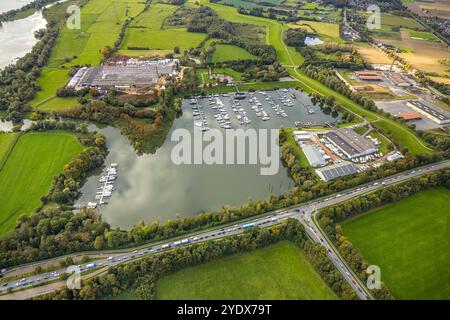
column 106, row 188
column 151, row 187
column 269, row 109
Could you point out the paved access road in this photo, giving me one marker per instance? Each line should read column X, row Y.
column 305, row 213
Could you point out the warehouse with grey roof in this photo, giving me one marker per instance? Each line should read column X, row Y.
column 315, row 158
column 440, row 117
column 351, row 144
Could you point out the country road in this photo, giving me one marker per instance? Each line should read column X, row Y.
column 305, row 213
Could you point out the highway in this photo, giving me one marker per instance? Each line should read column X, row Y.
column 305, row 213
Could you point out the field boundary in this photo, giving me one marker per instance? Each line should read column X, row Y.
column 11, row 147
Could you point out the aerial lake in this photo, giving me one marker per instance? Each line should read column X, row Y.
column 151, row 187
column 6, row 5
column 17, row 37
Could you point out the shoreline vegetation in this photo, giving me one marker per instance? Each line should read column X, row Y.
column 25, row 11
column 146, row 126
column 144, row 274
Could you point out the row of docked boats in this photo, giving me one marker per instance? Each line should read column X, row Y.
column 199, row 115
column 240, row 113
column 220, row 113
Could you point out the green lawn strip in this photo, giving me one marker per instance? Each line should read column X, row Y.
column 384, row 142
column 279, row 271
column 7, row 142
column 101, row 23
column 253, row 86
column 29, row 170
column 226, row 52
column 291, row 140
column 409, row 241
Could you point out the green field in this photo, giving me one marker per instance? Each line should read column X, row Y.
column 50, row 81
column 388, row 21
column 400, row 133
column 385, row 143
column 227, row 52
column 290, row 57
column 422, row 35
column 290, row 138
column 101, row 22
column 409, row 240
column 279, row 271
column 274, row 29
column 327, row 31
column 29, row 170
column 7, row 141
column 147, row 31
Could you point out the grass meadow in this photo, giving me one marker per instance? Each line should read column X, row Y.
column 29, row 170
column 279, row 271
column 409, row 241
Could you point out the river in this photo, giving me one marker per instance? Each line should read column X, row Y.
column 17, row 37
column 151, row 187
column 6, row 5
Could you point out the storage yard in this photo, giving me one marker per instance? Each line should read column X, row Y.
column 399, row 94
column 125, row 74
column 339, row 152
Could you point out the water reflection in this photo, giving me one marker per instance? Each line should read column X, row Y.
column 7, row 126
column 151, row 187
column 6, row 5
column 17, row 37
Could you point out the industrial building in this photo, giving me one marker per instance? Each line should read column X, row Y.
column 369, row 76
column 351, row 144
column 302, row 136
column 133, row 74
column 399, row 80
column 338, row 170
column 314, row 156
column 435, row 115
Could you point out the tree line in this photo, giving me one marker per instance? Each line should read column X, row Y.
column 26, row 244
column 12, row 14
column 143, row 275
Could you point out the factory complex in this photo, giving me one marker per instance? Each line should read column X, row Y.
column 341, row 151
column 126, row 74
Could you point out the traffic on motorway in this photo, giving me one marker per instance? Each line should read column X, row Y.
column 305, row 213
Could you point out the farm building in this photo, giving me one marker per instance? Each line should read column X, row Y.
column 350, row 143
column 399, row 80
column 410, row 116
column 369, row 76
column 315, row 158
column 431, row 113
column 334, row 171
